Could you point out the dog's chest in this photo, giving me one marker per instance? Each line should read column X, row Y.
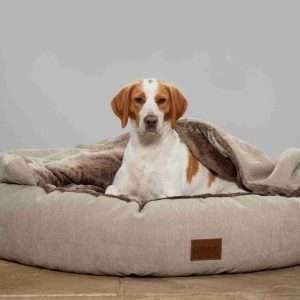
column 154, row 173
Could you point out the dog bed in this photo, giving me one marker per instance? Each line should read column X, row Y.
column 83, row 230
column 84, row 233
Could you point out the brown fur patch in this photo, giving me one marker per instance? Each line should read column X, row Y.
column 176, row 102
column 192, row 168
column 211, row 178
column 163, row 100
column 121, row 103
column 135, row 106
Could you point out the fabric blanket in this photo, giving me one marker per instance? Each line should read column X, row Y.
column 91, row 168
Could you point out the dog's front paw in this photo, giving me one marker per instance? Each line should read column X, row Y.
column 112, row 190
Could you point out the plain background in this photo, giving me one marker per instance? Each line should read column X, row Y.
column 62, row 61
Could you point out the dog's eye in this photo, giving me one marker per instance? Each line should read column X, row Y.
column 139, row 100
column 161, row 100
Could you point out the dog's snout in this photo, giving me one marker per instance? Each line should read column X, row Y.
column 150, row 121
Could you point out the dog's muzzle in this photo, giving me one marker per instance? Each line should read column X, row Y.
column 150, row 122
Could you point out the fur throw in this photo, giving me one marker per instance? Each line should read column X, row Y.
column 91, row 168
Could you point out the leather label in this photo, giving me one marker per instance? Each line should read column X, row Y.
column 206, row 249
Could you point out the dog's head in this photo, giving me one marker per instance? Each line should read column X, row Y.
column 151, row 105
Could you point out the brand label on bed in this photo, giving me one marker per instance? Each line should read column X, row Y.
column 206, row 249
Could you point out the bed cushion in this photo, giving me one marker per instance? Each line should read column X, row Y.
column 169, row 237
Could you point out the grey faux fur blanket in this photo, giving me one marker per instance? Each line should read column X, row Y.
column 91, row 168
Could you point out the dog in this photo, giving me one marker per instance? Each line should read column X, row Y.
column 156, row 163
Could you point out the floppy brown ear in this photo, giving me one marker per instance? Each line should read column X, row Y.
column 120, row 104
column 178, row 105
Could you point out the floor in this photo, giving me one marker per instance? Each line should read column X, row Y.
column 23, row 282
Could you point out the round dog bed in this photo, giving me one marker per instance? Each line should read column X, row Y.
column 168, row 237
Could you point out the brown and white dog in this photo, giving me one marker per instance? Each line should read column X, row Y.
column 156, row 162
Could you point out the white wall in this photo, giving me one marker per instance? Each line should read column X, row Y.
column 62, row 61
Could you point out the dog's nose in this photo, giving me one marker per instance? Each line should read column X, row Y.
column 150, row 121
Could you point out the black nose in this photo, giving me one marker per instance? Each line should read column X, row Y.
column 150, row 121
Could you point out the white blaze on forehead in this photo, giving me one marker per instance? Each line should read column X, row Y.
column 150, row 87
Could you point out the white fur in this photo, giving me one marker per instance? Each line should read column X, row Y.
column 158, row 168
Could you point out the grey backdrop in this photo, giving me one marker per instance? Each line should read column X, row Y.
column 62, row 61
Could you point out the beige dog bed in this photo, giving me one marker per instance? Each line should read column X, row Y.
column 93, row 233
column 168, row 237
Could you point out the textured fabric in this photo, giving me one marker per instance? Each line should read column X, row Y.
column 106, row 235
column 91, row 168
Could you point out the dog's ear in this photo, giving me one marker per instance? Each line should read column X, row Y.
column 178, row 105
column 120, row 104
